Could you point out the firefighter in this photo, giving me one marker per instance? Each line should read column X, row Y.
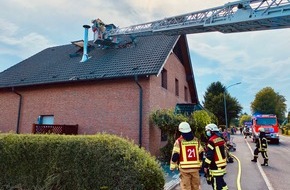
column 215, row 162
column 246, row 131
column 186, row 156
column 261, row 146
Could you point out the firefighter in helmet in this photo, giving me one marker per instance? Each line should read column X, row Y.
column 215, row 162
column 261, row 146
column 186, row 157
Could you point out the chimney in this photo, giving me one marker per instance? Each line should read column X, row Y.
column 85, row 48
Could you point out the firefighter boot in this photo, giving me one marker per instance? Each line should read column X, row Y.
column 265, row 162
column 254, row 160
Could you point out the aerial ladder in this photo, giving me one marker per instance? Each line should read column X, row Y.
column 239, row 16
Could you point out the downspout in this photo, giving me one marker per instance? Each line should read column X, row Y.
column 140, row 110
column 19, row 109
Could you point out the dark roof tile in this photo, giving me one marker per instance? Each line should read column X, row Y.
column 62, row 63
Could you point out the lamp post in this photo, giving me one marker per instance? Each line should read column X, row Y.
column 225, row 103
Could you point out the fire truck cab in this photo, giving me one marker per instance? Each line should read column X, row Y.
column 270, row 123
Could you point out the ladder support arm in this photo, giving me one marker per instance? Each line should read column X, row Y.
column 239, row 16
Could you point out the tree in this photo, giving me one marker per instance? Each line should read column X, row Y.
column 267, row 101
column 214, row 102
column 198, row 120
column 168, row 122
column 244, row 118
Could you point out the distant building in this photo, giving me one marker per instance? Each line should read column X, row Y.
column 113, row 92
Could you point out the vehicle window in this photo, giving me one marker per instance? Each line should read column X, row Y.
column 266, row 121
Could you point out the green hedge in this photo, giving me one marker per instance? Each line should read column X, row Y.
column 92, row 162
column 286, row 129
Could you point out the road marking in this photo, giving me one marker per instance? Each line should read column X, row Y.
column 270, row 187
column 239, row 173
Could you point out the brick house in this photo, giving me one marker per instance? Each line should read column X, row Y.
column 113, row 92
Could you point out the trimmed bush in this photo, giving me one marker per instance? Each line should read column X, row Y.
column 286, row 129
column 92, row 162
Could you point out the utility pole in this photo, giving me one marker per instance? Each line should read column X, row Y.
column 225, row 102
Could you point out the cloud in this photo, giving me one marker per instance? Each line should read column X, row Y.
column 7, row 28
column 238, row 53
column 12, row 43
column 257, row 59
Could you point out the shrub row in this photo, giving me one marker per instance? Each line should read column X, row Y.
column 93, row 162
column 286, row 129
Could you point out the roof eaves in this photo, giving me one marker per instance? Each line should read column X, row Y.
column 192, row 73
column 76, row 79
column 167, row 57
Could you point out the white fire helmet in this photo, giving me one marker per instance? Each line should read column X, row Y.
column 184, row 127
column 211, row 127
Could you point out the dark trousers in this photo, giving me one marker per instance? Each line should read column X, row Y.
column 218, row 183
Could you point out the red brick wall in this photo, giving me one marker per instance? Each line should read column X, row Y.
column 166, row 98
column 9, row 102
column 110, row 106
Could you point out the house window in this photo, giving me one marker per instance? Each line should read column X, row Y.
column 185, row 94
column 164, row 78
column 176, row 87
column 164, row 136
column 45, row 119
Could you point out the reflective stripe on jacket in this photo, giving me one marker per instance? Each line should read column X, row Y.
column 215, row 156
column 262, row 144
column 176, row 149
column 189, row 154
column 218, row 172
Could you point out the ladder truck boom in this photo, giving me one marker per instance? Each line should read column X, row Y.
column 239, row 16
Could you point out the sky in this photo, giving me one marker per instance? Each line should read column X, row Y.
column 256, row 59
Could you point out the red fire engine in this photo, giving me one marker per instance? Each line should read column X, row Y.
column 269, row 123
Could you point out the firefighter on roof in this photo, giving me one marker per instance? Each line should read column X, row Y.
column 261, row 146
column 215, row 162
column 99, row 28
column 98, row 24
column 186, row 156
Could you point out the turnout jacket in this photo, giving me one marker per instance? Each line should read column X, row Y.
column 262, row 143
column 215, row 159
column 186, row 154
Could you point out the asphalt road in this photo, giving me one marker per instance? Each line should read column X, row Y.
column 253, row 176
column 278, row 172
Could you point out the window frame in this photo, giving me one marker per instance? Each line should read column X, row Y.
column 176, row 87
column 164, row 78
column 185, row 93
